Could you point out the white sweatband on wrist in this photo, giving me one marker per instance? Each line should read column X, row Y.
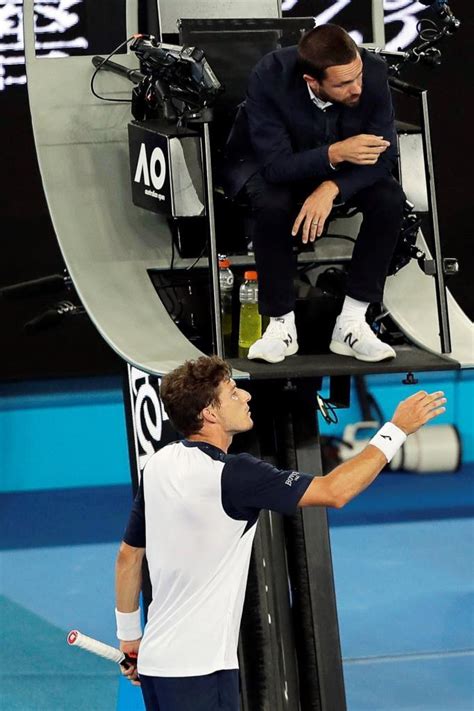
column 129, row 625
column 389, row 439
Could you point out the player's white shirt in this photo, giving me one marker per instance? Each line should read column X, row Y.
column 197, row 514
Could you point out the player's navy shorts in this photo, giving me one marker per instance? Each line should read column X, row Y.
column 212, row 692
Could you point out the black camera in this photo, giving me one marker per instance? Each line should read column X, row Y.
column 178, row 83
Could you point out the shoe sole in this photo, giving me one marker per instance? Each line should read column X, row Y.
column 291, row 351
column 342, row 349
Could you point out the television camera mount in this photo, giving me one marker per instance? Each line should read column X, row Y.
column 174, row 83
column 177, row 85
column 430, row 34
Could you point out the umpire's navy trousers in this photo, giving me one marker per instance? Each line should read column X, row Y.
column 275, row 208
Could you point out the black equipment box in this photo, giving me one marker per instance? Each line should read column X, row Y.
column 166, row 169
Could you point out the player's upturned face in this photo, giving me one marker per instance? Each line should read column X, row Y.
column 342, row 84
column 234, row 412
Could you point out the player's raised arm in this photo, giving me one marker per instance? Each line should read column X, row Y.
column 350, row 478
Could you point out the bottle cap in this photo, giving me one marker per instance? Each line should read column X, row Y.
column 250, row 276
column 224, row 263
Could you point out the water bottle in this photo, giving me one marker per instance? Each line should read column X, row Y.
column 250, row 326
column 226, row 282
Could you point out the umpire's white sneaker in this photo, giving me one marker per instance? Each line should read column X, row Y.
column 356, row 339
column 279, row 340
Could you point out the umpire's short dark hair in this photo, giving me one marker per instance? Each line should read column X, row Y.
column 187, row 390
column 325, row 46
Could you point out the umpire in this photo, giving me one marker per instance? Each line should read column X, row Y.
column 317, row 129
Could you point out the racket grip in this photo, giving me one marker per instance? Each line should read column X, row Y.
column 78, row 639
column 128, row 661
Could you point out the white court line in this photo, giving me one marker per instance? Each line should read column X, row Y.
column 410, row 657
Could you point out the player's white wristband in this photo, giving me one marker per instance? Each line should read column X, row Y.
column 389, row 439
column 129, row 625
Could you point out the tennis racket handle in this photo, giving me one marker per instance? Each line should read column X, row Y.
column 129, row 661
column 78, row 639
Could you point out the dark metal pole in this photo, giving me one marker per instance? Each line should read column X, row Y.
column 443, row 316
column 268, row 665
column 311, row 573
column 268, row 662
column 215, row 288
column 441, row 298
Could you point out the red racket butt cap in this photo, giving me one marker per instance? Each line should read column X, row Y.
column 72, row 636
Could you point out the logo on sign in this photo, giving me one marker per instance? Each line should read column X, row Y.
column 151, row 172
column 148, row 414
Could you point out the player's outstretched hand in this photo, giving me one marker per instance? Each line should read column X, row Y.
column 417, row 410
column 131, row 648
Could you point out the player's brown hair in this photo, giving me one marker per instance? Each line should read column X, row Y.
column 325, row 46
column 191, row 387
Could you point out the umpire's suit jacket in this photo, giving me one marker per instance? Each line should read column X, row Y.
column 279, row 130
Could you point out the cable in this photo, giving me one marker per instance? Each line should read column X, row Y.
column 99, row 67
column 427, row 29
column 173, row 250
column 188, row 269
column 327, row 410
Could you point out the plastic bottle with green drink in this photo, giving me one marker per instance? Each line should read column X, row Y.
column 250, row 324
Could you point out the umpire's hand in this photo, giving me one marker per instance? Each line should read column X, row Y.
column 363, row 149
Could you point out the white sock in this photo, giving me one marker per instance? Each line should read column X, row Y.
column 353, row 310
column 289, row 317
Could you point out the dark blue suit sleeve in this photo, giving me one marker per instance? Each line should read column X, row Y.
column 381, row 122
column 271, row 141
column 249, row 485
column 135, row 532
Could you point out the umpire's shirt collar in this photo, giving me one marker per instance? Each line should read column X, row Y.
column 323, row 105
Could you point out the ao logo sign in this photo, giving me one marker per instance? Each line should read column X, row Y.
column 155, row 169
